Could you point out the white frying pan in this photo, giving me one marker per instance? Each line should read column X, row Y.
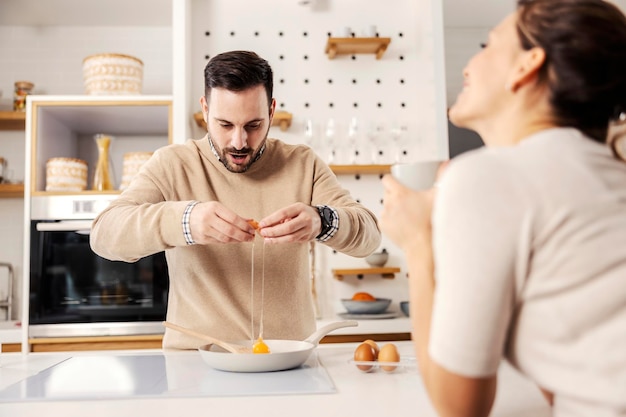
column 285, row 354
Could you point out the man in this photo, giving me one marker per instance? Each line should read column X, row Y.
column 195, row 201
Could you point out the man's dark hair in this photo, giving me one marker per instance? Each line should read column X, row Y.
column 238, row 71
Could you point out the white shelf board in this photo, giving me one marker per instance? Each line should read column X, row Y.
column 127, row 117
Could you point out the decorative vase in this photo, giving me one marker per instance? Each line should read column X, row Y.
column 102, row 175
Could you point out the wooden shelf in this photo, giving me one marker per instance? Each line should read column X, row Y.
column 351, row 46
column 12, row 120
column 386, row 272
column 360, row 169
column 281, row 118
column 199, row 118
column 11, row 190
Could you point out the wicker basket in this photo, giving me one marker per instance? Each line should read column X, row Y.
column 66, row 174
column 110, row 74
column 132, row 163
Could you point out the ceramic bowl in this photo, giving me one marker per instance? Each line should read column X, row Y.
column 366, row 307
column 378, row 259
column 404, row 306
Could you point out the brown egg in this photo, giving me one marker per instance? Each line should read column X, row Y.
column 374, row 346
column 364, row 353
column 388, row 353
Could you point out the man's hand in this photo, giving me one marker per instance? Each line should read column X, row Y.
column 212, row 222
column 295, row 223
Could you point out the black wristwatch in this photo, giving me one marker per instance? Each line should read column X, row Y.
column 329, row 219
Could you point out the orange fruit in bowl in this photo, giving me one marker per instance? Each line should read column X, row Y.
column 363, row 296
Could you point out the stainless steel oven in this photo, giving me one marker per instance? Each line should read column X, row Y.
column 73, row 291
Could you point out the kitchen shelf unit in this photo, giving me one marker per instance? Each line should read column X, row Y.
column 12, row 120
column 385, row 272
column 64, row 126
column 351, row 46
column 281, row 119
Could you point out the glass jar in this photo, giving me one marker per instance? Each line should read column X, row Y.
column 22, row 89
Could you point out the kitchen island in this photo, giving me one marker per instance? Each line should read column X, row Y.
column 339, row 388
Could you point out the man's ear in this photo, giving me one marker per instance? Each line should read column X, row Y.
column 205, row 108
column 272, row 109
column 527, row 68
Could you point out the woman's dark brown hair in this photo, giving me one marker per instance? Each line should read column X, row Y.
column 238, row 71
column 585, row 68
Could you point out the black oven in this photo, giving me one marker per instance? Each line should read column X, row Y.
column 74, row 292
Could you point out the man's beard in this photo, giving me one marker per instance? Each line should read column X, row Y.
column 226, row 153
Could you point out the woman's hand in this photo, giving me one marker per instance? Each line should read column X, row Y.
column 406, row 213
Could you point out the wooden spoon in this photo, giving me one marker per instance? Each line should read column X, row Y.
column 232, row 348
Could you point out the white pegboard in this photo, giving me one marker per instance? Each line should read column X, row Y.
column 398, row 89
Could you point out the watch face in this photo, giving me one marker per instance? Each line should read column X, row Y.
column 328, row 215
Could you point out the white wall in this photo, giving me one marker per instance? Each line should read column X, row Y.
column 51, row 57
column 404, row 86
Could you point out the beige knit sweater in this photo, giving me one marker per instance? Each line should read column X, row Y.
column 210, row 285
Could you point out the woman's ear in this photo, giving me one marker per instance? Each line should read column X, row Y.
column 616, row 137
column 527, row 68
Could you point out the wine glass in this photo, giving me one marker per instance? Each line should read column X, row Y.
column 398, row 131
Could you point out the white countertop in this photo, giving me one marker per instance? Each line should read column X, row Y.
column 357, row 393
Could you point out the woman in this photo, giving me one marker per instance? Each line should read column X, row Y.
column 521, row 250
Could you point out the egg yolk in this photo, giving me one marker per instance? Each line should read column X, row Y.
column 260, row 347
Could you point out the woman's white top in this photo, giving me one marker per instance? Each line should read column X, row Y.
column 530, row 259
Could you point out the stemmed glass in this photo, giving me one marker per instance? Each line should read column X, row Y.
column 330, row 135
column 353, row 140
column 310, row 135
column 375, row 138
column 398, row 133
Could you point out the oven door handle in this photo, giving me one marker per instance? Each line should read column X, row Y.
column 78, row 226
